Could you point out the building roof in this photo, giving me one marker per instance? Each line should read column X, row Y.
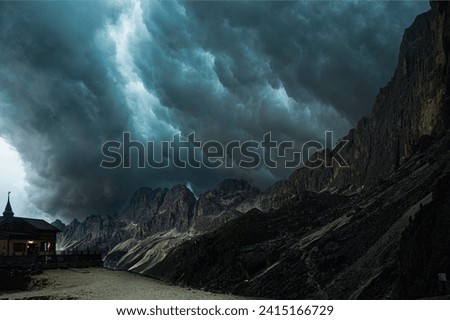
column 22, row 226
column 27, row 225
column 40, row 224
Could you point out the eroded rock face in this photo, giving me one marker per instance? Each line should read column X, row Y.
column 152, row 211
column 175, row 212
column 222, row 203
column 144, row 205
column 414, row 104
column 149, row 211
column 423, row 250
column 96, row 233
column 160, row 209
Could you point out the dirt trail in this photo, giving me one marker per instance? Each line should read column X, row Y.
column 103, row 284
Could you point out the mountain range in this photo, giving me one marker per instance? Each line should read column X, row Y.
column 377, row 229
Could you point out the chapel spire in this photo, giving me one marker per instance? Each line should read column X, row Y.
column 8, row 213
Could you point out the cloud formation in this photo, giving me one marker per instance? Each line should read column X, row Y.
column 73, row 77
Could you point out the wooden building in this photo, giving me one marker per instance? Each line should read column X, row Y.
column 25, row 236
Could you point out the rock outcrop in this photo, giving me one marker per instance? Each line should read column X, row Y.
column 222, row 203
column 411, row 109
column 157, row 211
column 149, row 211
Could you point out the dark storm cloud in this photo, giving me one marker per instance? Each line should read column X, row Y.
column 58, row 102
column 336, row 54
column 74, row 76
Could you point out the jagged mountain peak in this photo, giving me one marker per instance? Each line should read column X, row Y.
column 233, row 184
column 59, row 224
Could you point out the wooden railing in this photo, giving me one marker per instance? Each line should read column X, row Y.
column 51, row 261
column 17, row 261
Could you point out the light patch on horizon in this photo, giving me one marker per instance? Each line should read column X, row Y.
column 13, row 178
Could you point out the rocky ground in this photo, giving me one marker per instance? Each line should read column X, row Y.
column 103, row 284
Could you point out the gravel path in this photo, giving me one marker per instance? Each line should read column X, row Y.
column 103, row 284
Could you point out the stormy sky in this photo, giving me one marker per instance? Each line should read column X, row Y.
column 74, row 75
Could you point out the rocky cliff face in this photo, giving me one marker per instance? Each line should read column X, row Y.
column 148, row 212
column 160, row 209
column 222, row 203
column 96, row 233
column 412, row 109
column 153, row 211
column 423, row 250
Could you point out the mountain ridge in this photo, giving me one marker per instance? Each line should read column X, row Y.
column 342, row 231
